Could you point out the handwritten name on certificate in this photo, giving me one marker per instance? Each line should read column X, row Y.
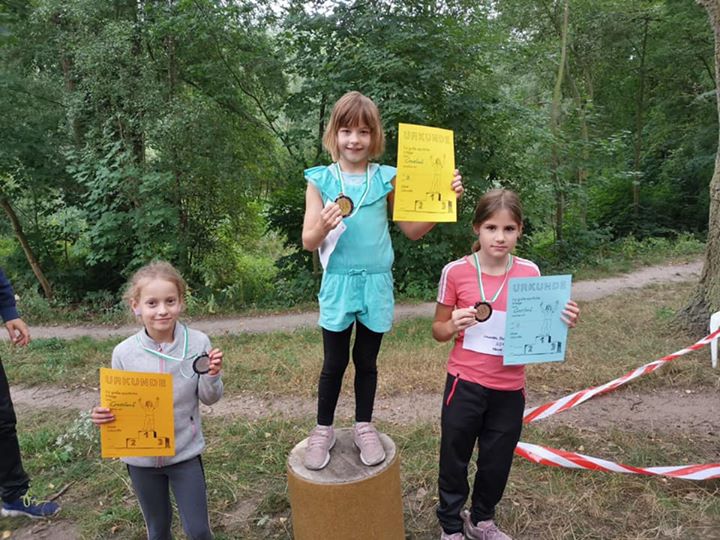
column 425, row 166
column 143, row 407
column 534, row 331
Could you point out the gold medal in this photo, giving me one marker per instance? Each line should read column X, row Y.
column 346, row 205
column 484, row 310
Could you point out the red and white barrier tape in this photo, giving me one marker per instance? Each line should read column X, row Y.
column 562, row 458
column 573, row 400
column 572, row 460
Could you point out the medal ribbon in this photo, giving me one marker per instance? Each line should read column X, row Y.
column 167, row 356
column 479, row 274
column 342, row 187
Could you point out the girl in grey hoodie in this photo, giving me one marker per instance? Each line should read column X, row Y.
column 156, row 295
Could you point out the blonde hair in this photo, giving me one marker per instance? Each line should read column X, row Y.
column 493, row 201
column 154, row 270
column 352, row 110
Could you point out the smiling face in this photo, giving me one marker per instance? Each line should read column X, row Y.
column 353, row 145
column 354, row 111
column 159, row 306
column 497, row 235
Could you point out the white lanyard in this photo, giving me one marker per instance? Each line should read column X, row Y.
column 167, row 356
column 479, row 274
column 342, row 187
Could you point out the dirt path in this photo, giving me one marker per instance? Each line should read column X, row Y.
column 412, row 407
column 690, row 411
column 582, row 291
column 669, row 410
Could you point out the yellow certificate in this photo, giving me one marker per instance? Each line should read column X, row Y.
column 143, row 407
column 426, row 161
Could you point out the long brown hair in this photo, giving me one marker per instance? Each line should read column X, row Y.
column 351, row 110
column 494, row 201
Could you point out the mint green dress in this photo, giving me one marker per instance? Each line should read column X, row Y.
column 357, row 283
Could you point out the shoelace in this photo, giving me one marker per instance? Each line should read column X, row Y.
column 318, row 438
column 366, row 433
column 489, row 532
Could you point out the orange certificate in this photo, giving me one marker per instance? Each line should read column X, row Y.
column 143, row 407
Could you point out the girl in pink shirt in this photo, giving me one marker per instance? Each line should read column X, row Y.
column 483, row 401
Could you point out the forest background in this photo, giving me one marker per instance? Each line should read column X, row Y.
column 137, row 129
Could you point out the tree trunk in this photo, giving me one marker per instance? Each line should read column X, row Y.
column 581, row 108
column 34, row 264
column 706, row 298
column 639, row 121
column 555, row 130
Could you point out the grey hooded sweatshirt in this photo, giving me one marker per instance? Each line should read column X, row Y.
column 188, row 388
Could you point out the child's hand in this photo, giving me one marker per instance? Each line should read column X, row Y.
column 463, row 318
column 216, row 358
column 330, row 217
column 570, row 314
column 457, row 184
column 101, row 415
column 18, row 332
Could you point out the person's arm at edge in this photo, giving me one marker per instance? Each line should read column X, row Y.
column 17, row 329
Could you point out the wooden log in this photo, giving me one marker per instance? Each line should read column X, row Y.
column 346, row 500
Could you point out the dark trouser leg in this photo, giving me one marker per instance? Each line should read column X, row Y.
column 365, row 353
column 460, row 422
column 187, row 481
column 14, row 481
column 151, row 488
column 336, row 352
column 496, row 444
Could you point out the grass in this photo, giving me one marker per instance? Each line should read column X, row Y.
column 245, row 466
column 245, row 460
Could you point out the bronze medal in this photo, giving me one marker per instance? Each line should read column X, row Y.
column 201, row 365
column 346, row 205
column 484, row 311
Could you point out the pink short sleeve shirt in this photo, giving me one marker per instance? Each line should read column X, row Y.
column 459, row 289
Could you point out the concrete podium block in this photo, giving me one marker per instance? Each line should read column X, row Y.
column 346, row 500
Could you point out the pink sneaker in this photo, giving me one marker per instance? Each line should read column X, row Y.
column 320, row 442
column 368, row 442
column 483, row 530
column 453, row 536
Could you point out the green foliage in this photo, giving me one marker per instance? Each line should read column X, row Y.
column 180, row 130
column 593, row 253
column 79, row 440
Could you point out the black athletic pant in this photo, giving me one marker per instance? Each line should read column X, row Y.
column 14, row 481
column 493, row 418
column 336, row 347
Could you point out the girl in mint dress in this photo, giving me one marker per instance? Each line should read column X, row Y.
column 347, row 205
